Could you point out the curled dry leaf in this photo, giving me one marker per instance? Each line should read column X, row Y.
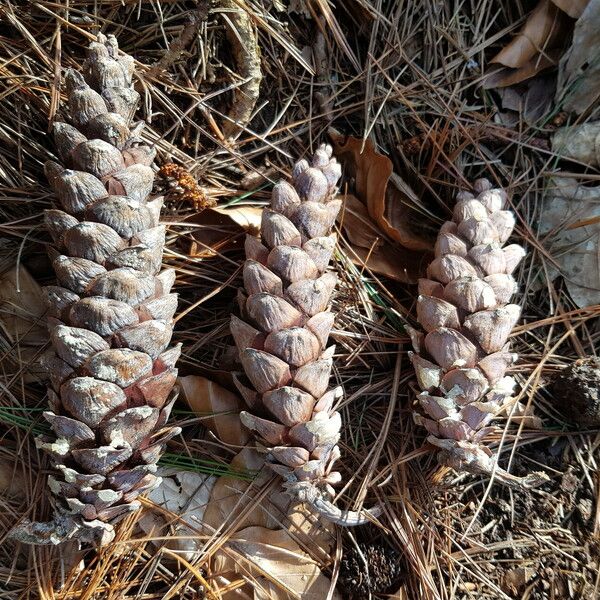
column 388, row 198
column 274, row 557
column 278, row 567
column 208, row 398
column 570, row 220
column 218, row 229
column 381, row 219
column 579, row 71
column 538, row 46
column 371, row 248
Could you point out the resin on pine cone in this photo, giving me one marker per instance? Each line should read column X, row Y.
column 283, row 332
column 462, row 353
column 113, row 372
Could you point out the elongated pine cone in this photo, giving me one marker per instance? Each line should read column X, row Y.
column 462, row 354
column 110, row 323
column 283, row 331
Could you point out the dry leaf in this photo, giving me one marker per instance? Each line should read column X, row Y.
column 208, row 398
column 388, row 198
column 502, row 77
column 541, row 32
column 219, row 229
column 260, row 540
column 580, row 142
column 230, row 496
column 538, row 46
column 379, row 220
column 280, row 569
column 186, row 494
column 371, row 248
column 579, row 71
column 571, row 221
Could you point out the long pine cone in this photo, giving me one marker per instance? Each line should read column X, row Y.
column 283, row 332
column 462, row 354
column 112, row 374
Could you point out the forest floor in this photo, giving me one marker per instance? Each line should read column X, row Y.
column 408, row 93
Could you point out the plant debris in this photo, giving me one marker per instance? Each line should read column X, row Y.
column 185, row 186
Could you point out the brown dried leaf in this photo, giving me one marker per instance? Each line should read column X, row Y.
column 208, row 398
column 543, row 30
column 388, row 198
column 579, row 71
column 220, row 229
column 260, row 544
column 505, row 76
column 538, row 46
column 279, row 567
column 371, row 248
column 228, row 498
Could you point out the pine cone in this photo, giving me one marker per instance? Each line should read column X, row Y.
column 464, row 309
column 283, row 331
column 112, row 374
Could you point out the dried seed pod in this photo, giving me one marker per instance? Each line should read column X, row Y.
column 113, row 374
column 465, row 313
column 283, row 331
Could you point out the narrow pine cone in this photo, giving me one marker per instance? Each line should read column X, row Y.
column 462, row 353
column 283, row 332
column 111, row 312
